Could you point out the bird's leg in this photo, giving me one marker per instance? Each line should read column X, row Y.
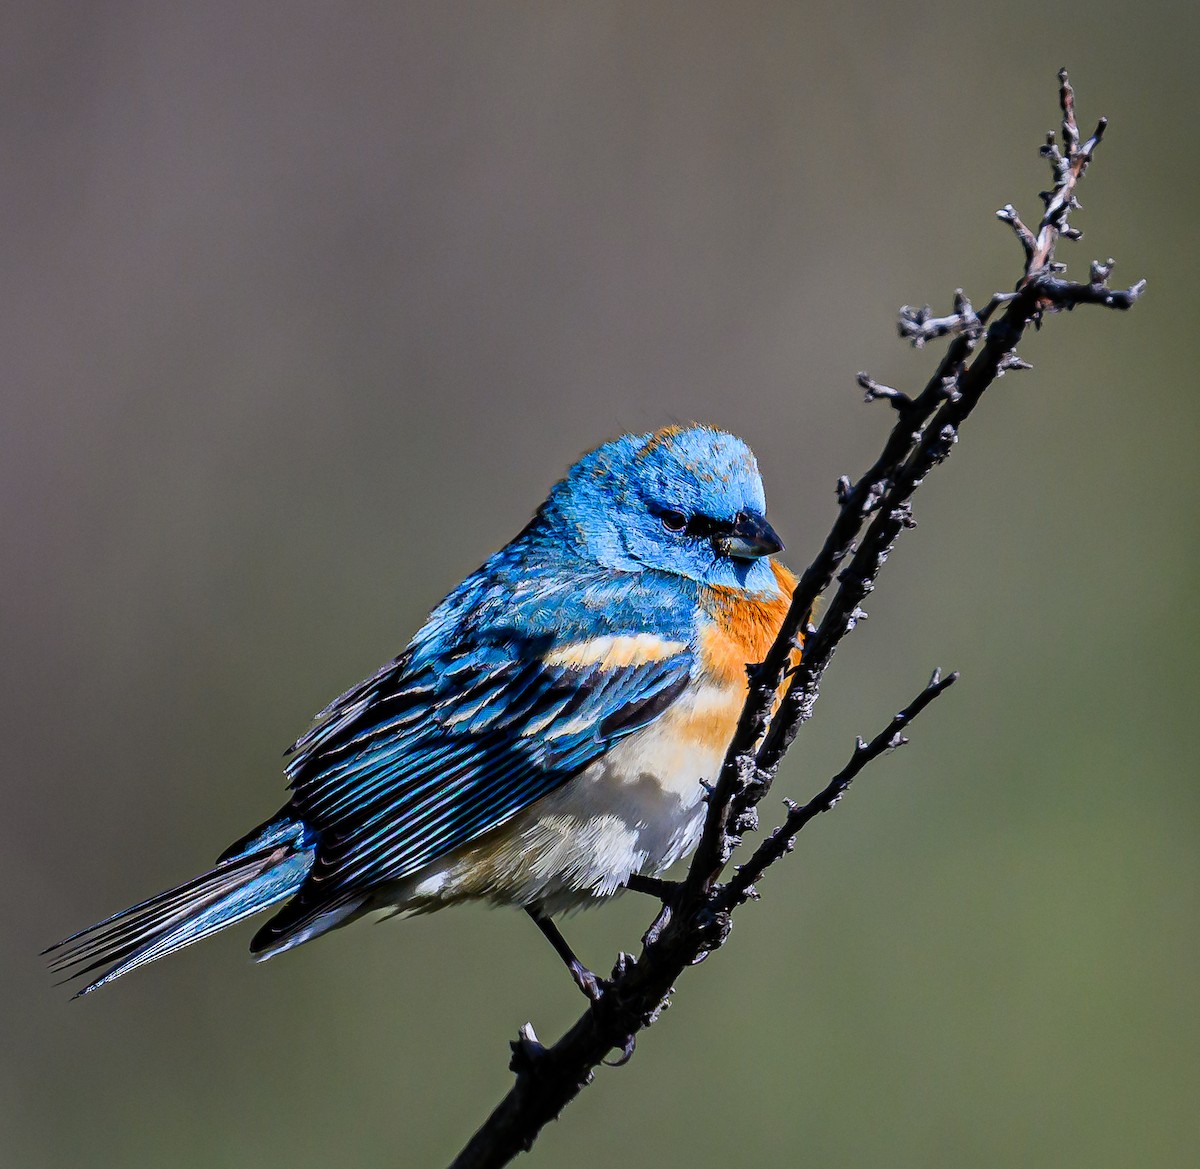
column 665, row 891
column 591, row 984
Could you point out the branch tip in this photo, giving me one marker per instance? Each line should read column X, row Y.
column 874, row 390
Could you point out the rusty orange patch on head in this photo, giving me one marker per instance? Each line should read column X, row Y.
column 661, row 437
column 742, row 627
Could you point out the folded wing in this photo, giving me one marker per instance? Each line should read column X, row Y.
column 437, row 749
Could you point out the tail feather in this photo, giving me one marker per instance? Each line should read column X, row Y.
column 132, row 922
column 237, row 888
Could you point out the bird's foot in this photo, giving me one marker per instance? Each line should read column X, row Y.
column 587, row 980
column 668, row 892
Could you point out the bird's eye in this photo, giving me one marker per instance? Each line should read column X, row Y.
column 672, row 520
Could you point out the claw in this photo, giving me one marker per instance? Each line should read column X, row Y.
column 589, row 982
column 626, row 1052
column 624, row 963
column 659, row 924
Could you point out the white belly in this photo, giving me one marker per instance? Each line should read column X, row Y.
column 637, row 809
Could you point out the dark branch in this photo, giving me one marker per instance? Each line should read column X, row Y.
column 871, row 513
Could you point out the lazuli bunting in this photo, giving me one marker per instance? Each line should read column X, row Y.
column 543, row 740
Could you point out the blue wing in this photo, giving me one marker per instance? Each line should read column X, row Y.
column 487, row 711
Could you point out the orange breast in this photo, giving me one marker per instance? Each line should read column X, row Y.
column 742, row 628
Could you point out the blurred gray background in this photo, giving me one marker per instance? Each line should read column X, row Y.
column 305, row 307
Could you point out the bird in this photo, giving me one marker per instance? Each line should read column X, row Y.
column 544, row 741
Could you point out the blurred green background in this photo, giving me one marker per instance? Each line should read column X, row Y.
column 304, row 308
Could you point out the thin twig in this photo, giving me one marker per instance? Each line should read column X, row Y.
column 781, row 841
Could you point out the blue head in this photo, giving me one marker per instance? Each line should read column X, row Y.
column 684, row 500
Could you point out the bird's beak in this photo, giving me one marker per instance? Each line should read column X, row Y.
column 751, row 538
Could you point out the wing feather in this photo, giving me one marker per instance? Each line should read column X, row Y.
column 389, row 796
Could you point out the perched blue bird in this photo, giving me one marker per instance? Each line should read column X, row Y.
column 544, row 739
